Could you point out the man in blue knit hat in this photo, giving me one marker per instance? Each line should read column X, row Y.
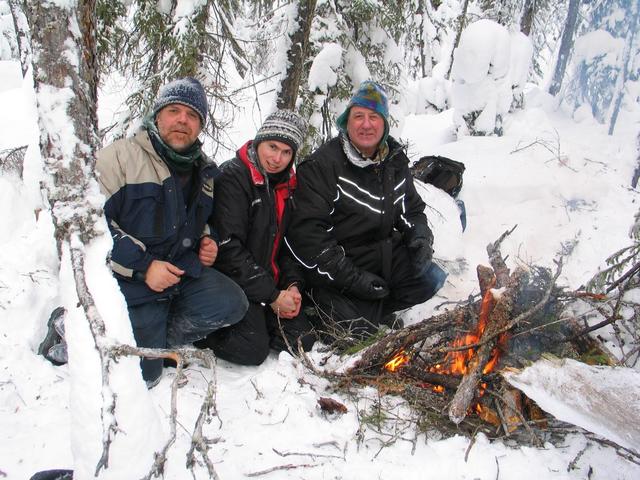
column 159, row 188
column 359, row 226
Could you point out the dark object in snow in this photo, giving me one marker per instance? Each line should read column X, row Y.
column 54, row 346
column 441, row 172
column 445, row 174
column 53, row 475
column 330, row 405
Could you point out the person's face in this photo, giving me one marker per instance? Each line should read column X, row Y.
column 178, row 125
column 365, row 128
column 274, row 156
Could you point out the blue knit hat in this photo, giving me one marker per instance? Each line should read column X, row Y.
column 369, row 95
column 186, row 91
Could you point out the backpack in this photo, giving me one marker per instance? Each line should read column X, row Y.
column 441, row 172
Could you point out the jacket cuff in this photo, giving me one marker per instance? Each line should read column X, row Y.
column 274, row 296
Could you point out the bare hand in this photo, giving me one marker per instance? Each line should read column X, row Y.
column 208, row 251
column 288, row 303
column 162, row 275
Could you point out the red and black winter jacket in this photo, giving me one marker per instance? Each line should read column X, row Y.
column 250, row 218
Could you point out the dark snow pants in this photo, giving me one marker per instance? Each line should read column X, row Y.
column 200, row 306
column 408, row 286
column 248, row 342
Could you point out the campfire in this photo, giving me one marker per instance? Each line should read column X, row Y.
column 450, row 364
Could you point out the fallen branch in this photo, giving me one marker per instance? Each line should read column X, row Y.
column 198, row 441
column 279, row 467
column 312, row 455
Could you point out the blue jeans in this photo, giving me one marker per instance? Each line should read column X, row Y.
column 199, row 307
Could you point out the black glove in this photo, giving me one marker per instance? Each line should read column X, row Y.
column 422, row 252
column 368, row 286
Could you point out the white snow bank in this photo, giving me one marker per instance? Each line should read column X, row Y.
column 604, row 400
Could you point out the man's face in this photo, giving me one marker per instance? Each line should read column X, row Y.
column 274, row 156
column 365, row 128
column 178, row 125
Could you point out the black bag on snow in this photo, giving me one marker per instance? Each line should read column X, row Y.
column 441, row 172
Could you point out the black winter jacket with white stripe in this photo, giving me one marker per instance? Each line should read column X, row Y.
column 344, row 211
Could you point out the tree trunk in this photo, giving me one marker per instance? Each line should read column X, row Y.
column 22, row 34
column 566, row 44
column 528, row 13
column 627, row 59
column 296, row 56
column 462, row 20
column 421, row 10
column 636, row 173
column 65, row 78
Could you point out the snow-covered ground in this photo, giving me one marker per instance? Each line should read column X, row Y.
column 562, row 182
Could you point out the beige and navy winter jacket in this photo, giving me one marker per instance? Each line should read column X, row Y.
column 147, row 214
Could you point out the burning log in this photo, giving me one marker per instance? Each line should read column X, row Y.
column 495, row 318
column 376, row 356
column 495, row 313
column 448, row 381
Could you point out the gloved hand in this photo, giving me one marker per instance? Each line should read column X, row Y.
column 368, row 286
column 421, row 251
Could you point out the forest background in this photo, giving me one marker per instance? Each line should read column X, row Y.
column 305, row 55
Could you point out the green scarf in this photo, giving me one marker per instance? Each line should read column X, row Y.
column 181, row 162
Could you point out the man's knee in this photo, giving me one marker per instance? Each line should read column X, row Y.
column 239, row 348
column 425, row 287
column 246, row 342
column 230, row 304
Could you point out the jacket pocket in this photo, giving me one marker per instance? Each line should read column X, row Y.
column 147, row 216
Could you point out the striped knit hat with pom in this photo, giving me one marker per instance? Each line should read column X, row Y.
column 283, row 126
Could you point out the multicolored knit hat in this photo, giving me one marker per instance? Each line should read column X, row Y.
column 186, row 91
column 283, row 126
column 369, row 95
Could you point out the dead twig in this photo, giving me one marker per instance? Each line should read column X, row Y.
column 199, row 442
column 534, row 438
column 279, row 467
column 304, row 454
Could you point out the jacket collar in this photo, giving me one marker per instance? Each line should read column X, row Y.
column 141, row 137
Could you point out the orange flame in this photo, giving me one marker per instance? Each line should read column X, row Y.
column 457, row 362
column 401, row 358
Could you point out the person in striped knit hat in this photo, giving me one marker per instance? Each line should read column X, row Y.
column 253, row 205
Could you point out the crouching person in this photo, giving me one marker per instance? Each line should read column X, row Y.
column 253, row 203
column 359, row 226
column 159, row 206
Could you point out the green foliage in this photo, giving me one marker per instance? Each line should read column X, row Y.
column 150, row 47
column 619, row 263
column 595, row 357
column 364, row 343
column 374, row 417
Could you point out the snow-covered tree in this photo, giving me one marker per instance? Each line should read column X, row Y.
column 566, row 46
column 65, row 80
column 607, row 57
column 150, row 43
column 489, row 70
column 297, row 55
